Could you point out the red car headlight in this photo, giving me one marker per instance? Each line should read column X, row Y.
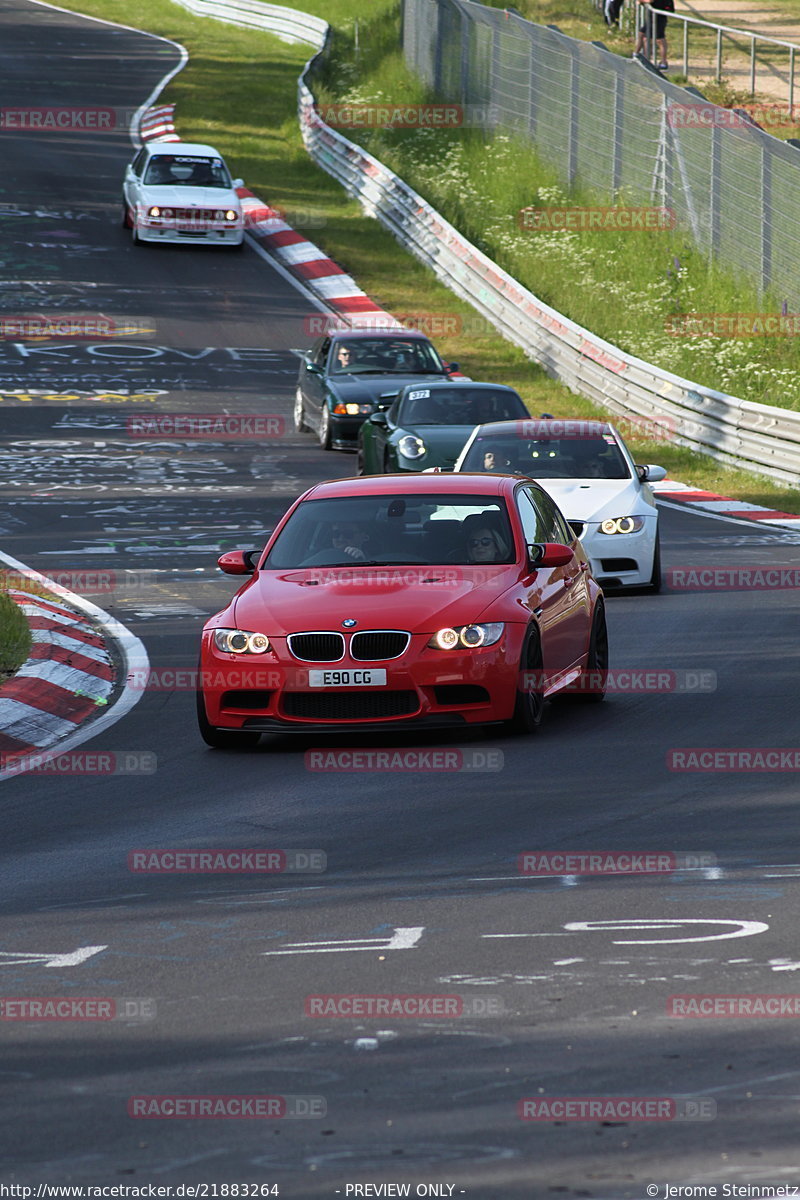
column 469, row 637
column 239, row 641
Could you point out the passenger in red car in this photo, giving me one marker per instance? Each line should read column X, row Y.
column 486, row 545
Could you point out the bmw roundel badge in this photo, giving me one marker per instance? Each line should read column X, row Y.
column 349, row 622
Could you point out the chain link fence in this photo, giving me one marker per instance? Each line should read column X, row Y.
column 615, row 125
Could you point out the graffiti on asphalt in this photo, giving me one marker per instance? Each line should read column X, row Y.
column 36, row 396
column 115, row 366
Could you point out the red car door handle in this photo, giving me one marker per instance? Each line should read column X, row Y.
column 570, row 579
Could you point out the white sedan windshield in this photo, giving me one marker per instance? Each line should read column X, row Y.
column 550, row 458
column 186, row 170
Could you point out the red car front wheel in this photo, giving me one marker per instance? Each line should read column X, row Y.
column 529, row 706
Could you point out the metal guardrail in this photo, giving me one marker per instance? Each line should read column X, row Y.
column 287, row 23
column 737, row 432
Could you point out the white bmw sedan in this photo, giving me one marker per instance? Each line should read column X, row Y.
column 181, row 192
column 588, row 470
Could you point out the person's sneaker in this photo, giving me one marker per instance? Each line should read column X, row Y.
column 662, row 66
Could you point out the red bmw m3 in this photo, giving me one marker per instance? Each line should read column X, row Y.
column 414, row 602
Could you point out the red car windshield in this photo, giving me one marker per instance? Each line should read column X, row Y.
column 382, row 530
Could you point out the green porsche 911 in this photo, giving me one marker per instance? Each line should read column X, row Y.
column 428, row 424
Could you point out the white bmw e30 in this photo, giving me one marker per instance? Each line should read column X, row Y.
column 181, row 192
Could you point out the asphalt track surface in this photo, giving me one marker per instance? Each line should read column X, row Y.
column 575, row 1011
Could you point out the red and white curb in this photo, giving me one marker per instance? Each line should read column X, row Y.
column 65, row 692
column 312, row 267
column 157, row 124
column 723, row 506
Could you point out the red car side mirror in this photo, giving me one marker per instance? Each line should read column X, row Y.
column 550, row 554
column 238, row 562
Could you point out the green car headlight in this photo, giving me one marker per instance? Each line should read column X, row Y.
column 411, row 447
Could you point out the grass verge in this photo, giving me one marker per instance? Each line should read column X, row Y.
column 15, row 637
column 238, row 92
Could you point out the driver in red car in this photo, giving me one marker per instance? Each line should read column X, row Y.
column 348, row 538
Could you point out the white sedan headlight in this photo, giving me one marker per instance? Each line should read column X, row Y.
column 239, row 641
column 622, row 525
column 468, row 637
column 411, row 447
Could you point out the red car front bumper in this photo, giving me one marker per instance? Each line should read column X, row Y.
column 424, row 687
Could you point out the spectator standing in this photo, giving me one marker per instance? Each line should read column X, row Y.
column 660, row 8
